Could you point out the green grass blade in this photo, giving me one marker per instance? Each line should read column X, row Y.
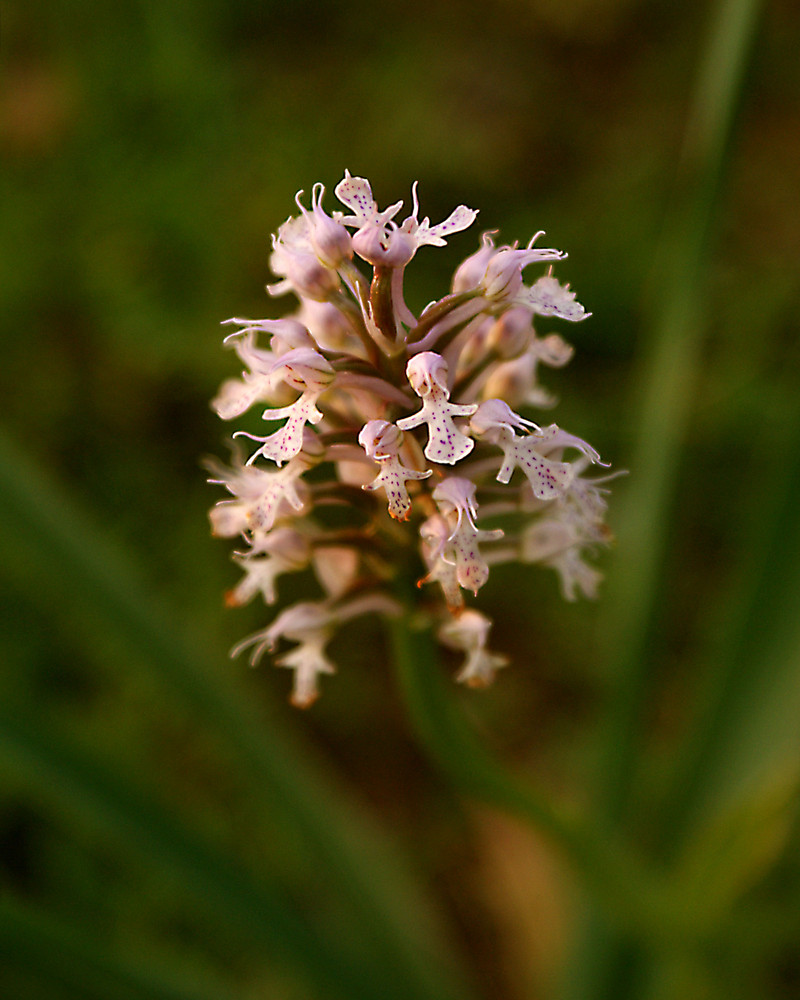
column 55, row 952
column 673, row 317
column 670, row 369
column 742, row 758
column 73, row 567
column 62, row 775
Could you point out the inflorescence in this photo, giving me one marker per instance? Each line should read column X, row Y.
column 399, row 435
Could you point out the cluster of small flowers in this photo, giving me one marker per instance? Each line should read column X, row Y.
column 414, row 438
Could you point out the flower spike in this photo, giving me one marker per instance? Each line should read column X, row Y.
column 418, row 416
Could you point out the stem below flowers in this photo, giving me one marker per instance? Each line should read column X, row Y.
column 638, row 900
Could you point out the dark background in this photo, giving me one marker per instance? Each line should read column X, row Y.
column 149, row 149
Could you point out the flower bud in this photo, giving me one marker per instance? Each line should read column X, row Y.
column 426, row 370
column 335, row 568
column 294, row 259
column 328, row 325
column 495, row 415
column 288, row 334
column 380, row 439
column 228, row 519
column 510, row 334
column 304, row 368
column 503, row 276
column 305, row 274
column 469, row 273
column 456, row 495
column 546, row 538
column 331, row 241
column 512, row 380
column 382, row 247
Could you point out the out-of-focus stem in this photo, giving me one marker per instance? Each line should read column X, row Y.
column 635, row 897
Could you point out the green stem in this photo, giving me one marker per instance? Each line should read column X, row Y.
column 443, row 308
column 636, row 898
column 380, row 298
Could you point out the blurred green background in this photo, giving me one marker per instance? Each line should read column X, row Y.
column 169, row 827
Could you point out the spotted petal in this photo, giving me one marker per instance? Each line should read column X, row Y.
column 460, row 218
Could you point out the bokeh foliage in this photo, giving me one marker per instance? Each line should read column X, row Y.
column 169, row 827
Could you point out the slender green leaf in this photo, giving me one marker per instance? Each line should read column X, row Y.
column 674, row 320
column 743, row 754
column 55, row 952
column 77, row 570
column 726, row 855
column 61, row 774
column 675, row 317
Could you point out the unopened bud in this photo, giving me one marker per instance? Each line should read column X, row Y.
column 469, row 273
column 426, row 370
column 380, row 439
column 510, row 334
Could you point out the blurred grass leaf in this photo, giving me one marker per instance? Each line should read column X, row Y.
column 61, row 774
column 52, row 952
column 741, row 763
column 732, row 850
column 67, row 562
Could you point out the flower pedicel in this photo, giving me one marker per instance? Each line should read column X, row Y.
column 399, row 430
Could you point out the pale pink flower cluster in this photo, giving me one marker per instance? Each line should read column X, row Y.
column 395, row 436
